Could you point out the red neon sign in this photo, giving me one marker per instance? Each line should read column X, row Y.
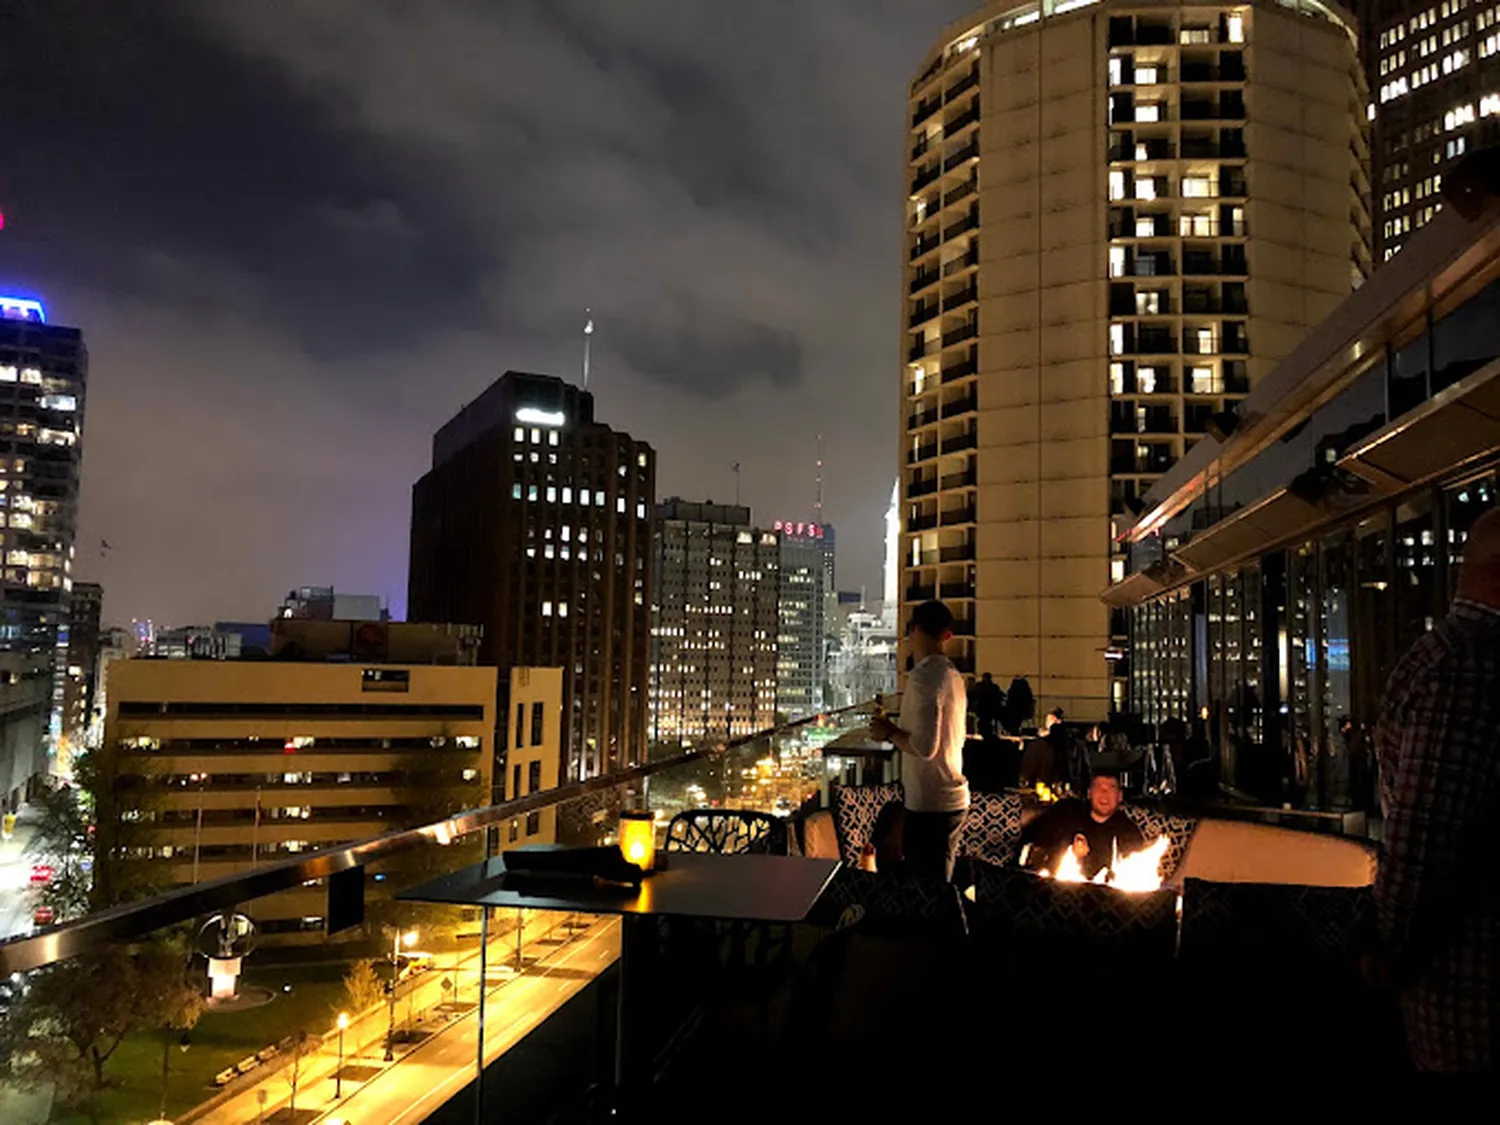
column 802, row 530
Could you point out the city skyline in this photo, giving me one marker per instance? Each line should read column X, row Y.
column 307, row 329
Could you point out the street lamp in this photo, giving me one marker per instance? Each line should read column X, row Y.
column 338, row 1075
column 398, row 939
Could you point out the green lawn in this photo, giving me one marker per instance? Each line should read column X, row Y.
column 220, row 1040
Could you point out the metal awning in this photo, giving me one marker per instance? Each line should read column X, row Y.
column 1456, row 426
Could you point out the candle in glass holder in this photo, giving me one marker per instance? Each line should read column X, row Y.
column 638, row 838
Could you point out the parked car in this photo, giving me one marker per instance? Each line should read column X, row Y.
column 41, row 874
column 43, row 915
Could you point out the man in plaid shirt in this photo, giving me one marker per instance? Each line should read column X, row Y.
column 1438, row 889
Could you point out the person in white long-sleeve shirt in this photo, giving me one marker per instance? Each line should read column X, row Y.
column 930, row 733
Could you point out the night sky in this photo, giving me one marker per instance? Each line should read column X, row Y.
column 299, row 236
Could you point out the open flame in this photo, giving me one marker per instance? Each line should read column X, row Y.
column 1137, row 873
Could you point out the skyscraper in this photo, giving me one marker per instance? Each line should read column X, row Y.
column 714, row 630
column 535, row 522
column 43, row 375
column 1434, row 76
column 802, row 648
column 1119, row 217
column 85, row 604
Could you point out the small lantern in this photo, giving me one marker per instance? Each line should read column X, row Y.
column 638, row 838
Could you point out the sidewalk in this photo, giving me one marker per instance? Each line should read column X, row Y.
column 434, row 1012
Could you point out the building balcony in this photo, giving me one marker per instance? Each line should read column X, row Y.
column 967, row 82
column 921, row 523
column 963, row 626
column 961, row 370
column 969, row 151
column 964, row 296
column 954, row 517
column 964, row 479
column 967, row 223
column 921, row 593
column 918, row 350
column 925, row 176
column 962, row 121
column 923, row 278
column 922, row 488
column 921, row 418
column 922, row 453
column 922, row 314
column 924, row 244
column 960, row 334
column 966, row 405
column 959, row 442
column 961, row 552
column 925, row 109
column 967, row 188
column 968, row 261
column 961, row 590
column 1150, row 420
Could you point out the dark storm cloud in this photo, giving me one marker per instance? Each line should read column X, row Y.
column 300, row 235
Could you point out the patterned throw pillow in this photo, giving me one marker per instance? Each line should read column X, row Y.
column 889, row 903
column 1178, row 829
column 855, row 809
column 1018, row 908
column 1279, row 922
column 992, row 830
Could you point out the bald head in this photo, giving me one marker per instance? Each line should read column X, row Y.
column 1479, row 578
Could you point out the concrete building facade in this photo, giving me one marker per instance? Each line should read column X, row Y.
column 533, row 760
column 535, row 523
column 801, row 642
column 714, row 626
column 1119, row 217
column 223, row 764
column 1434, row 75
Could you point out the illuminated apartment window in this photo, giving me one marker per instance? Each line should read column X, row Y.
column 1235, row 25
column 1204, row 338
column 1197, row 187
column 1117, row 185
column 1145, row 226
column 1196, row 226
column 1116, row 71
column 1194, row 35
column 1145, row 188
column 1116, row 378
column 1205, row 381
column 1148, row 304
column 1116, row 339
column 1146, row 76
column 1145, row 380
column 1148, row 112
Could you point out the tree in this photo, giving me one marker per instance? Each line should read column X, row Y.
column 77, row 1012
column 299, row 1045
column 363, row 986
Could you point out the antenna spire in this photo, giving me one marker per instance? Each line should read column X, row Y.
column 818, row 491
column 588, row 334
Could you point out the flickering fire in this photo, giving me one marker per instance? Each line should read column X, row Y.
column 1045, row 793
column 1137, row 872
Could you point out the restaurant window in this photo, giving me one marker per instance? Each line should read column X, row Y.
column 1467, row 338
column 1407, row 386
column 1416, row 584
column 1299, row 664
column 1373, row 643
column 1465, row 504
column 1334, row 657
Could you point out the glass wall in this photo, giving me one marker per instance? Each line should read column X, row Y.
column 1287, row 658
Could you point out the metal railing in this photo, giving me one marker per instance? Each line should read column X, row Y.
column 135, row 920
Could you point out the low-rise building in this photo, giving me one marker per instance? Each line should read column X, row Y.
column 218, row 765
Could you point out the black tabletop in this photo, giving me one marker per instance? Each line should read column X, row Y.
column 764, row 888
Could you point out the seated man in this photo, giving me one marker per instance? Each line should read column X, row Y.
column 1096, row 829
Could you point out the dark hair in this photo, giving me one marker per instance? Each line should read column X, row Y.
column 1112, row 774
column 1056, row 713
column 932, row 618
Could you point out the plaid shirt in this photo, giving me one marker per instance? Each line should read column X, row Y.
column 1438, row 889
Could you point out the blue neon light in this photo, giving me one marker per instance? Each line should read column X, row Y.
column 22, row 308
